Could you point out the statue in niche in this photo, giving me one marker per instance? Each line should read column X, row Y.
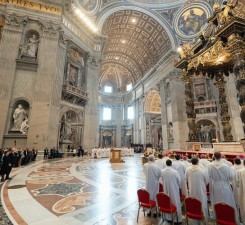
column 170, row 132
column 72, row 76
column 19, row 116
column 30, row 47
column 206, row 133
column 24, row 126
column 65, row 130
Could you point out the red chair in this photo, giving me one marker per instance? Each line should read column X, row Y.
column 207, row 190
column 145, row 202
column 182, row 197
column 193, row 208
column 161, row 188
column 225, row 214
column 165, row 206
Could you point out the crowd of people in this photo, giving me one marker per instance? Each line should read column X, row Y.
column 12, row 157
column 226, row 182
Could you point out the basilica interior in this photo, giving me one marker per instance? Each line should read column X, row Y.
column 111, row 74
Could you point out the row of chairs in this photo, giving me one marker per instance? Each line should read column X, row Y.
column 225, row 214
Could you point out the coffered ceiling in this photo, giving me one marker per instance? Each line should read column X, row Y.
column 135, row 43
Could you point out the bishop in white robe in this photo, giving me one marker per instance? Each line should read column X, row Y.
column 152, row 175
column 220, row 177
column 171, row 186
column 237, row 166
column 180, row 168
column 240, row 180
column 197, row 180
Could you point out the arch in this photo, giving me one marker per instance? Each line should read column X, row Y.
column 162, row 21
column 206, row 130
column 153, row 102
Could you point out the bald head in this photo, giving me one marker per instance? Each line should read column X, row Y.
column 151, row 158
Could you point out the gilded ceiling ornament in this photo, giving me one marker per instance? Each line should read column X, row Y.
column 2, row 21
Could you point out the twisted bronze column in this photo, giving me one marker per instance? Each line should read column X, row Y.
column 190, row 111
column 239, row 71
column 224, row 113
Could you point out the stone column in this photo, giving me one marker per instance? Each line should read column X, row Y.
column 190, row 111
column 234, row 108
column 46, row 93
column 119, row 121
column 236, row 47
column 225, row 117
column 239, row 71
column 91, row 125
column 177, row 95
column 164, row 120
column 11, row 32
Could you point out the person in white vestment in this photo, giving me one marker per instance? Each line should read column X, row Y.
column 225, row 161
column 180, row 168
column 237, row 166
column 203, row 161
column 171, row 186
column 152, row 175
column 185, row 161
column 240, row 179
column 220, row 177
column 160, row 162
column 197, row 180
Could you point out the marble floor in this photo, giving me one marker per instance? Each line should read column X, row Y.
column 75, row 191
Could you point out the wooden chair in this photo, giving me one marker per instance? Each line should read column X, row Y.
column 145, row 202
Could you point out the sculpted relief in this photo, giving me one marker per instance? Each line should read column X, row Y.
column 88, row 5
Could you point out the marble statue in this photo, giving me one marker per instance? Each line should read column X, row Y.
column 206, row 134
column 19, row 116
column 66, row 130
column 24, row 126
column 30, row 47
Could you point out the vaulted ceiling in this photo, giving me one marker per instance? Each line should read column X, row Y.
column 135, row 43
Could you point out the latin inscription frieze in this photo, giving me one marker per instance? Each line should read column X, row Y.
column 33, row 5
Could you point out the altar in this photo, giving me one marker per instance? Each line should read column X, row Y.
column 115, row 156
column 235, row 147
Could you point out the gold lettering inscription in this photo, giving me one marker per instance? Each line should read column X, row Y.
column 33, row 5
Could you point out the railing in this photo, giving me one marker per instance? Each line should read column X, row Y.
column 74, row 95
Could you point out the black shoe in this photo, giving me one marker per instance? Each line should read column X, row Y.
column 179, row 223
column 154, row 215
column 169, row 221
column 149, row 214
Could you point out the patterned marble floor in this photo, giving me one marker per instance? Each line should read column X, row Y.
column 75, row 191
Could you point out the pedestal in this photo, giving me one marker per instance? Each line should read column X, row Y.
column 115, row 156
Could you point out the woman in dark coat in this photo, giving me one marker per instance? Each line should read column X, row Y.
column 5, row 165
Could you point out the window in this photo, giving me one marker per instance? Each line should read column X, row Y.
column 129, row 87
column 108, row 89
column 106, row 113
column 130, row 113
